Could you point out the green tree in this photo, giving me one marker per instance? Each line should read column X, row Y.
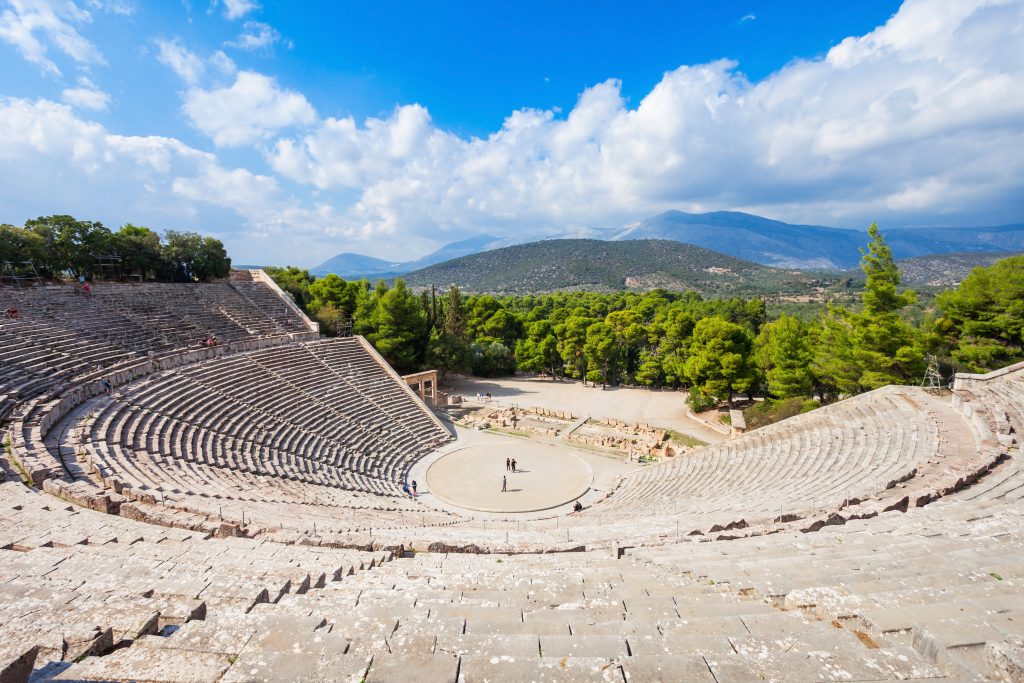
column 448, row 354
column 455, row 316
column 983, row 319
column 295, row 281
column 784, row 353
column 538, row 352
column 400, row 330
column 491, row 358
column 719, row 363
column 70, row 245
column 502, row 325
column 331, row 290
column 874, row 347
column 651, row 371
column 18, row 245
column 572, row 339
column 139, row 249
column 188, row 256
column 603, row 353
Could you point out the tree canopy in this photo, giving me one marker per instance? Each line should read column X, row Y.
column 62, row 244
column 716, row 347
column 983, row 319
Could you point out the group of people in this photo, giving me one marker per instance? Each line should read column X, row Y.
column 409, row 488
column 510, row 466
column 12, row 313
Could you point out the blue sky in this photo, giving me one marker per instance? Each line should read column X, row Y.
column 296, row 131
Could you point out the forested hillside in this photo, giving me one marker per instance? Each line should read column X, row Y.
column 715, row 347
column 595, row 265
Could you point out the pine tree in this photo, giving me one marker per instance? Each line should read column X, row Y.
column 783, row 352
column 983, row 321
column 719, row 362
column 875, row 346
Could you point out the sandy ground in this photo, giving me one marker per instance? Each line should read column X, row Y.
column 666, row 409
column 465, row 476
column 546, row 476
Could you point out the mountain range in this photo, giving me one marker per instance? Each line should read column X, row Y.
column 596, row 265
column 754, row 238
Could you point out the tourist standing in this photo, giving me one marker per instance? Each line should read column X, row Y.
column 508, row 464
column 513, row 464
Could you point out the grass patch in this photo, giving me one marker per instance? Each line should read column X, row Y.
column 685, row 439
column 770, row 411
column 995, row 576
column 25, row 479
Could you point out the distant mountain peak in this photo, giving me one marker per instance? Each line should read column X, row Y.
column 743, row 235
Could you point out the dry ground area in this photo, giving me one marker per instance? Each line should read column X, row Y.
column 465, row 476
column 666, row 409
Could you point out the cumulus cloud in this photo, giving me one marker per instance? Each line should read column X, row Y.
column 923, row 116
column 920, row 120
column 87, row 96
column 32, row 26
column 235, row 9
column 151, row 180
column 251, row 109
column 189, row 66
column 181, row 60
column 256, row 36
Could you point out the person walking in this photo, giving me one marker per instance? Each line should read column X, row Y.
column 504, row 484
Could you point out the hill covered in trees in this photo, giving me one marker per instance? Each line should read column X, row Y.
column 941, row 270
column 595, row 265
column 714, row 347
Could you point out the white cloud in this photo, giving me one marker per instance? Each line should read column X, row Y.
column 31, row 25
column 252, row 109
column 921, row 120
column 123, row 7
column 900, row 124
column 256, row 36
column 87, row 95
column 748, row 17
column 149, row 180
column 180, row 59
column 189, row 66
column 235, row 9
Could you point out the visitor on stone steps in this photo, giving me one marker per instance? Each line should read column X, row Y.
column 108, row 388
column 414, row 487
column 405, row 488
column 504, row 484
column 577, row 507
column 508, row 464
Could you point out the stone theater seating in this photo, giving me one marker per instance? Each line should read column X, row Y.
column 235, row 514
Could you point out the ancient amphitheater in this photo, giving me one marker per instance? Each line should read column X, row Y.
column 236, row 513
